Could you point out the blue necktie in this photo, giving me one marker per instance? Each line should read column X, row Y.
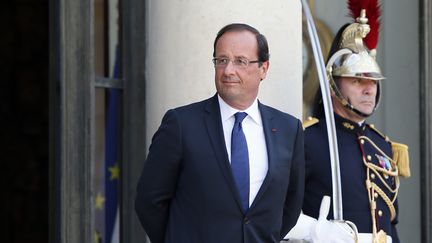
column 240, row 159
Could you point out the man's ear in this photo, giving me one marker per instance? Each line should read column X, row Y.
column 264, row 68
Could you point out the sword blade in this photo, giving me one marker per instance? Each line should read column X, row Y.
column 328, row 110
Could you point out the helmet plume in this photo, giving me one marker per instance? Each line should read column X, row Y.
column 373, row 13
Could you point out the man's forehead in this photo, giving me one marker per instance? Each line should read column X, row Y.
column 238, row 42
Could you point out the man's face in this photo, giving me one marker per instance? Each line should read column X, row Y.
column 238, row 86
column 361, row 93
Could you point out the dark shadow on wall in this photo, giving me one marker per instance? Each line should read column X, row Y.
column 24, row 121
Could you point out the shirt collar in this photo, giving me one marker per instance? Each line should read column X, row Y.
column 227, row 111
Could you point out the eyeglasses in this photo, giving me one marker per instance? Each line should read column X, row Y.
column 240, row 62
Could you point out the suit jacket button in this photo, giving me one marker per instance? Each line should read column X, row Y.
column 246, row 220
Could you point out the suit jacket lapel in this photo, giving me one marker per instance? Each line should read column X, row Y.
column 216, row 136
column 269, row 130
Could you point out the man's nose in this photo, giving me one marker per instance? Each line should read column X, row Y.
column 229, row 68
column 369, row 87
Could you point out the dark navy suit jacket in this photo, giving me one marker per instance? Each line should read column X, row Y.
column 187, row 193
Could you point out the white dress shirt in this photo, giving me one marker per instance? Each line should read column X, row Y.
column 254, row 133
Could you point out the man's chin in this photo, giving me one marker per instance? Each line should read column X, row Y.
column 367, row 112
column 367, row 109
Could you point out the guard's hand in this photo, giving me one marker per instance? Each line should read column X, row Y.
column 326, row 231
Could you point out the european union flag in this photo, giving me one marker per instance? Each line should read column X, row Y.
column 112, row 160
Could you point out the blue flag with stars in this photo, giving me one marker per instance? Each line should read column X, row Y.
column 112, row 160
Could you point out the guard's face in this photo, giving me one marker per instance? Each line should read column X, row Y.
column 361, row 93
column 236, row 84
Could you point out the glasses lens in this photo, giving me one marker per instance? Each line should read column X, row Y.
column 241, row 62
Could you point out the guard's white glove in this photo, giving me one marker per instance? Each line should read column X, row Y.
column 322, row 230
column 326, row 231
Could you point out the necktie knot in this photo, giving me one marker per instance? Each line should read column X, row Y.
column 240, row 116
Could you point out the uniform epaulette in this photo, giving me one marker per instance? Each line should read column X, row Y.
column 309, row 122
column 401, row 157
column 400, row 154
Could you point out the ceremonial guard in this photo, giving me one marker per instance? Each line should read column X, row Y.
column 370, row 163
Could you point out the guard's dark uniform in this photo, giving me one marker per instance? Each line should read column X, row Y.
column 369, row 175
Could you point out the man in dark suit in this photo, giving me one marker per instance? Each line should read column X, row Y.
column 227, row 169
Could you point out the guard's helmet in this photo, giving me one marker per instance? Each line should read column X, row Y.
column 351, row 58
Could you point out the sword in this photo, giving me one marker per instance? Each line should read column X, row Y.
column 328, row 110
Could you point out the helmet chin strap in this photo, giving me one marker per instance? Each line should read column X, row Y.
column 351, row 108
